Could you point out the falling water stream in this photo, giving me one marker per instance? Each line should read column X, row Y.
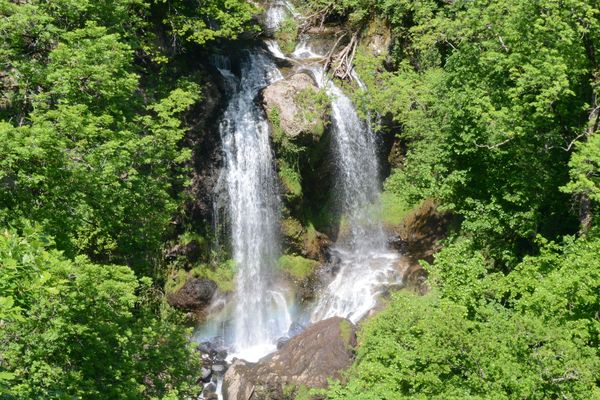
column 365, row 263
column 261, row 311
column 259, row 314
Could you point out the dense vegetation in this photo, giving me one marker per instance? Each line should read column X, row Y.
column 495, row 104
column 92, row 99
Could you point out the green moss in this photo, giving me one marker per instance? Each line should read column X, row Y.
column 297, row 266
column 292, row 228
column 222, row 274
column 176, row 281
column 346, row 332
column 287, row 35
column 394, row 208
column 291, row 179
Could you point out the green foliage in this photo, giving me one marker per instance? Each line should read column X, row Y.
column 584, row 168
column 487, row 96
column 95, row 190
column 530, row 334
column 393, row 208
column 91, row 135
column 297, row 267
column 287, row 35
column 201, row 22
column 78, row 329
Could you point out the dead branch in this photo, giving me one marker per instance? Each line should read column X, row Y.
column 494, row 146
column 343, row 59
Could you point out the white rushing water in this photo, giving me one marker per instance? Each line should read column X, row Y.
column 261, row 312
column 277, row 12
column 366, row 266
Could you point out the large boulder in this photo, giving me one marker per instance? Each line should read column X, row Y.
column 296, row 107
column 195, row 294
column 307, row 360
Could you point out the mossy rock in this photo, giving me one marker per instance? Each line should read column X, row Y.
column 222, row 274
column 293, row 234
column 291, row 180
column 287, row 35
column 297, row 109
column 298, row 267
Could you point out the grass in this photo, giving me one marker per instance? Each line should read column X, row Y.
column 222, row 274
column 345, row 333
column 394, row 208
column 297, row 266
column 291, row 179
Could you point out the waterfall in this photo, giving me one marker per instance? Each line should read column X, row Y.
column 365, row 264
column 261, row 313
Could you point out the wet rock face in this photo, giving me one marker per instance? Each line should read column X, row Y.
column 322, row 351
column 194, row 295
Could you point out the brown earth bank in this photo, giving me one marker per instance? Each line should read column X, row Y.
column 418, row 237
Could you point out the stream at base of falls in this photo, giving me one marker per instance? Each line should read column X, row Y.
column 262, row 310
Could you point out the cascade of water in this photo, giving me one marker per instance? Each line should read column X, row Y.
column 365, row 263
column 277, row 12
column 261, row 313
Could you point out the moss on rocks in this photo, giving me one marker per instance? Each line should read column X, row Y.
column 298, row 267
column 291, row 180
column 287, row 35
column 346, row 332
column 222, row 274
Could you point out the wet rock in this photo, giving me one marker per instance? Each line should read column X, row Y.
column 217, row 342
column 219, row 367
column 205, row 347
column 295, row 329
column 221, row 354
column 417, row 237
column 322, row 351
column 420, row 231
column 206, row 373
column 194, row 295
column 282, row 341
column 210, row 391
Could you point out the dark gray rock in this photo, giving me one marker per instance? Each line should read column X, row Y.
column 194, row 295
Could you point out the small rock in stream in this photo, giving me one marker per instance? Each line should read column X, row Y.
column 296, row 328
column 210, row 391
column 219, row 367
column 221, row 354
column 282, row 341
column 206, row 372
